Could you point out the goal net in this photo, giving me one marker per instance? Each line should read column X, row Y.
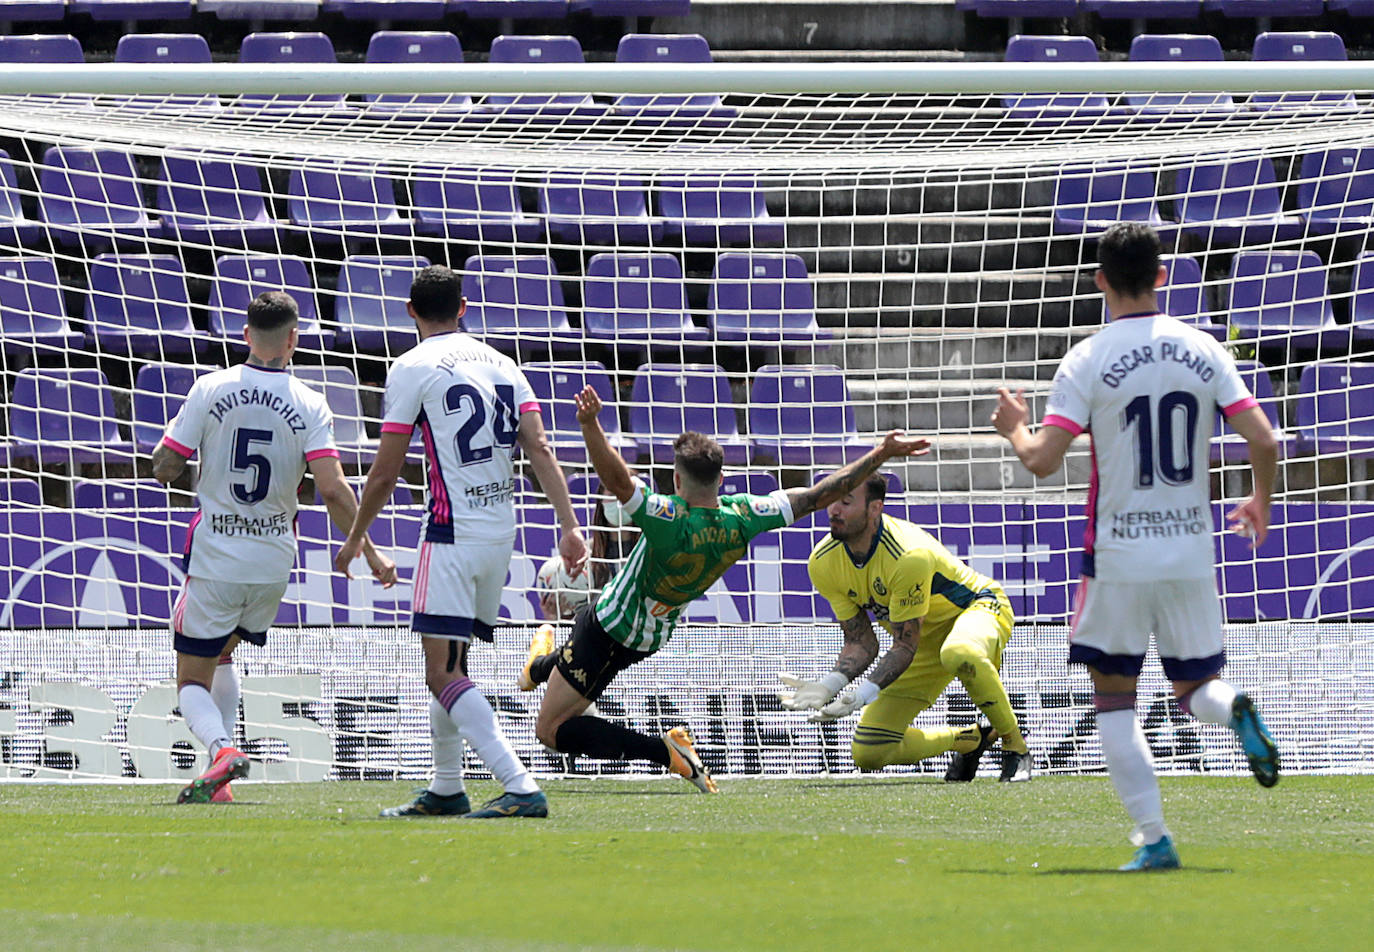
column 793, row 273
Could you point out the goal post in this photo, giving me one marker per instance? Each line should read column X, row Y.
column 794, row 257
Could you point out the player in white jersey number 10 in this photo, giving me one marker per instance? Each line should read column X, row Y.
column 1147, row 388
column 473, row 407
column 257, row 428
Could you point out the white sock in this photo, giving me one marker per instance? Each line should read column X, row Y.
column 203, row 717
column 1132, row 770
column 1211, row 701
column 448, row 752
column 477, row 723
column 225, row 690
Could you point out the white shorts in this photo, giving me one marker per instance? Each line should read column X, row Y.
column 1113, row 622
column 458, row 589
column 208, row 613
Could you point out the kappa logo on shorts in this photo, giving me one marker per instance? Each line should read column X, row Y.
column 579, row 675
column 661, row 507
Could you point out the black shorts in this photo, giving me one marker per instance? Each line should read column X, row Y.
column 590, row 659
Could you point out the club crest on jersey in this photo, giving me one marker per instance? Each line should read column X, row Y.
column 879, row 587
column 763, row 506
column 661, row 507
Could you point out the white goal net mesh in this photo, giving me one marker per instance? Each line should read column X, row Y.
column 793, row 274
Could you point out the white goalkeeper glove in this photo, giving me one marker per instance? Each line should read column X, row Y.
column 849, row 700
column 809, row 695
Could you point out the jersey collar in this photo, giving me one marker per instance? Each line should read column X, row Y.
column 1127, row 317
column 877, row 539
column 265, row 370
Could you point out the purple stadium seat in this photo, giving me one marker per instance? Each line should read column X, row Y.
column 90, row 197
column 214, row 201
column 764, row 299
column 1052, row 49
column 64, row 416
column 138, row 304
column 259, row 10
column 1354, row 8
column 1227, row 444
column 1300, row 47
column 15, row 227
column 1178, row 48
column 512, row 9
column 639, row 300
column 800, row 415
column 370, row 311
column 120, row 494
column 1181, row 295
column 668, row 48
column 130, row 10
column 532, row 50
column 1265, row 8
column 1012, row 9
column 345, row 204
column 1234, row 202
column 32, row 11
column 289, row 48
column 598, row 209
column 159, row 391
column 1279, row 297
column 1362, row 299
column 389, row 11
column 669, row 399
column 20, row 492
column 555, row 383
column 516, row 303
column 1144, row 9
column 1336, row 408
column 41, row 48
column 416, row 48
column 1336, row 192
column 33, row 319
column 755, row 484
column 632, row 8
column 717, row 210
column 480, row 205
column 240, row 278
column 162, row 48
column 1088, row 201
column 340, row 389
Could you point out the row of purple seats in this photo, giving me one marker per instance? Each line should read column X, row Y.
column 370, row 10
column 139, row 304
column 1232, row 201
column 1165, row 9
column 92, row 198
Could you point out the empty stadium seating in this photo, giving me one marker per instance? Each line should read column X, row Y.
column 89, row 198
column 638, row 302
column 1235, row 201
column 64, row 416
column 472, row 205
column 1287, row 47
column 20, row 492
column 515, row 302
column 669, row 399
column 1177, row 48
column 214, row 201
column 33, row 318
column 599, row 210
column 240, row 278
column 289, row 48
column 1336, row 408
column 758, row 299
column 1279, row 298
column 345, row 205
column 396, row 46
column 716, row 210
column 370, row 310
column 138, row 304
column 159, row 391
column 1089, row 201
column 1336, row 190
column 555, row 384
column 800, row 415
column 120, row 494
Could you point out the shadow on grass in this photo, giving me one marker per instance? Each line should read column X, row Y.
column 1089, row 871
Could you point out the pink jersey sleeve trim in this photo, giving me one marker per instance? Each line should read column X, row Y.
column 317, row 454
column 405, row 428
column 529, row 405
column 1239, row 406
column 177, row 448
column 1063, row 422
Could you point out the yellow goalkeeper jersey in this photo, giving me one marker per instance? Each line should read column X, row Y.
column 907, row 574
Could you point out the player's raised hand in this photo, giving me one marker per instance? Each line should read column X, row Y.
column 573, row 548
column 588, row 405
column 804, row 695
column 1251, row 520
column 898, row 443
column 1012, row 411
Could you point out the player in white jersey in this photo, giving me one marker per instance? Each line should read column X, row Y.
column 1147, row 388
column 257, row 428
column 473, row 407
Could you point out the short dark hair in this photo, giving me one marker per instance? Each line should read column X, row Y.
column 699, row 457
column 273, row 311
column 875, row 487
column 437, row 294
column 1129, row 255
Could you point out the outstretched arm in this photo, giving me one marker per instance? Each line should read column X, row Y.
column 1043, row 451
column 847, row 478
column 610, row 467
column 533, row 440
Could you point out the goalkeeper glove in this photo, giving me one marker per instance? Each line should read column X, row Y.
column 849, row 701
column 809, row 695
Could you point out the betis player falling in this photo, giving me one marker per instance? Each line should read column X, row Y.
column 687, row 541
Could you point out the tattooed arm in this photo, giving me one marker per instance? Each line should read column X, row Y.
column 860, row 647
column 848, row 478
column 168, row 464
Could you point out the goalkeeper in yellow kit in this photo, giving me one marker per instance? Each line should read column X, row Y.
column 946, row 621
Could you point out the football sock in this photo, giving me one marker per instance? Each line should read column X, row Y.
column 1210, row 702
column 876, row 747
column 984, row 687
column 476, row 723
column 1132, row 771
column 542, row 667
column 202, row 716
column 602, row 740
column 225, row 689
column 448, row 752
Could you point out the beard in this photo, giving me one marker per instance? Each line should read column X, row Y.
column 848, row 530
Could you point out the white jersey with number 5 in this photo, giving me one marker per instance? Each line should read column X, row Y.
column 255, row 428
column 1147, row 388
column 466, row 398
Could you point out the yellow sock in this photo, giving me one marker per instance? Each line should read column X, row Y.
column 967, row 740
column 985, row 688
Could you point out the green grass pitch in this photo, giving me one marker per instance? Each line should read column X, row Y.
column 788, row 865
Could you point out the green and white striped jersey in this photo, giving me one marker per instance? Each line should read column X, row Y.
column 681, row 552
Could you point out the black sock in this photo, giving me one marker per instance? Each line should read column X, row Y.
column 602, row 740
column 542, row 667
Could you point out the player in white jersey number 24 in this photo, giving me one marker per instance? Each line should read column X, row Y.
column 257, row 428
column 1147, row 388
column 473, row 407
